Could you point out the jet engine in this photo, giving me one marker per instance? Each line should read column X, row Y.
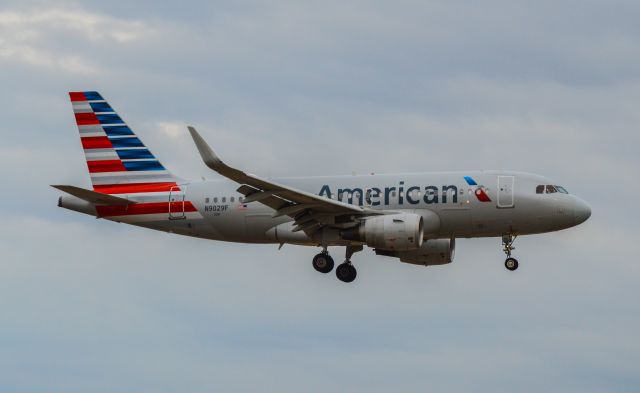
column 432, row 252
column 395, row 232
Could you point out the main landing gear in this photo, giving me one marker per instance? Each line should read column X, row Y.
column 507, row 241
column 323, row 262
column 345, row 272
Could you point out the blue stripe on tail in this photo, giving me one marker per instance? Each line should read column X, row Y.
column 134, row 154
column 143, row 166
column 117, row 130
column 92, row 96
column 119, row 143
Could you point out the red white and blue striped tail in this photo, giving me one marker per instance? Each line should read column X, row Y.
column 118, row 161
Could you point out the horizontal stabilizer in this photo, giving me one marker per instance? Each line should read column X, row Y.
column 94, row 197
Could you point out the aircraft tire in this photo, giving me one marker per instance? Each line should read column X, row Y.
column 346, row 272
column 323, row 262
column 511, row 264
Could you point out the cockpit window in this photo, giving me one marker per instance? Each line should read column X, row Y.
column 549, row 189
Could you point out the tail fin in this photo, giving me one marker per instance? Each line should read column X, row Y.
column 118, row 162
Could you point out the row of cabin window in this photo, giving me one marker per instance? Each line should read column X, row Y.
column 223, row 199
column 549, row 189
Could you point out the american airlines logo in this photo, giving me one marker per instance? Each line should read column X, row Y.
column 413, row 195
column 481, row 194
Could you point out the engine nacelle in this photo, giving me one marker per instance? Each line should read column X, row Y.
column 432, row 252
column 394, row 232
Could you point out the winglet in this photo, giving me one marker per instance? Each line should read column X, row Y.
column 264, row 187
column 208, row 156
column 213, row 161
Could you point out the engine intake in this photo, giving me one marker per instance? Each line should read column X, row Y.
column 432, row 252
column 394, row 232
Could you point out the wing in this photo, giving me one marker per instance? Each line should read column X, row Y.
column 309, row 211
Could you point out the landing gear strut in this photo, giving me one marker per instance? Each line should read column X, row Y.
column 323, row 262
column 346, row 272
column 507, row 241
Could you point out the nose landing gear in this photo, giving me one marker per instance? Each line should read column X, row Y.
column 507, row 241
column 511, row 264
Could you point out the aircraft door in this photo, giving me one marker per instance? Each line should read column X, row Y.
column 505, row 192
column 176, row 203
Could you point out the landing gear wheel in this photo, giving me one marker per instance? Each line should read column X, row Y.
column 323, row 262
column 346, row 272
column 511, row 264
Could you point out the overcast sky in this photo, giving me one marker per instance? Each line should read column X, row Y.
column 291, row 88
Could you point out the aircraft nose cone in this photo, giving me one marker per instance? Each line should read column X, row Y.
column 581, row 211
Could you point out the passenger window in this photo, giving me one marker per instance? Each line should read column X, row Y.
column 540, row 189
column 551, row 189
column 215, row 200
column 206, row 200
column 240, row 199
column 233, row 199
column 224, row 199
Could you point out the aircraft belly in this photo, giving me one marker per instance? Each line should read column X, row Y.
column 455, row 222
column 227, row 225
column 489, row 221
column 258, row 224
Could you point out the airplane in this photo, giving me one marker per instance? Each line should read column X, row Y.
column 412, row 217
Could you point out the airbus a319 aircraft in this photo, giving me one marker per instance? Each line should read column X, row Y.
column 412, row 217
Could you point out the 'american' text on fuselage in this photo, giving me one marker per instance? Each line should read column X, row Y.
column 376, row 196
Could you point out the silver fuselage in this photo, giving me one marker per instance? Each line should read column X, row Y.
column 514, row 207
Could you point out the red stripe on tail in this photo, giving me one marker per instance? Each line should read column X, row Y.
column 133, row 188
column 77, row 96
column 84, row 119
column 106, row 166
column 96, row 142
